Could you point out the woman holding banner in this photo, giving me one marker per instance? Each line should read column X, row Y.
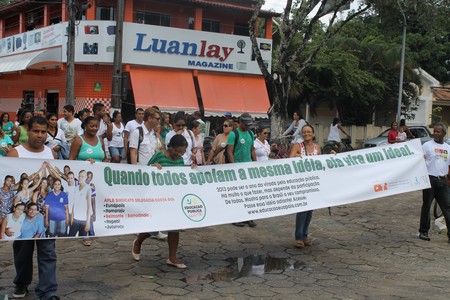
column 306, row 148
column 172, row 157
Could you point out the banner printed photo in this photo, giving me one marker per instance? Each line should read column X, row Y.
column 76, row 199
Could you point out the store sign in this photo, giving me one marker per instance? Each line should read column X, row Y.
column 38, row 39
column 191, row 49
column 147, row 45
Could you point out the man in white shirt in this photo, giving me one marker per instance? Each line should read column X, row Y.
column 140, row 153
column 23, row 250
column 130, row 127
column 69, row 124
column 437, row 158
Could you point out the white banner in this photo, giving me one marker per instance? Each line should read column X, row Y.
column 132, row 199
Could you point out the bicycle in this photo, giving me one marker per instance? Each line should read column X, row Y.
column 344, row 146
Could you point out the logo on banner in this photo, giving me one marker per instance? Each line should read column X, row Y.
column 380, row 187
column 193, row 207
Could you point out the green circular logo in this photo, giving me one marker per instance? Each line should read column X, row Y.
column 193, row 207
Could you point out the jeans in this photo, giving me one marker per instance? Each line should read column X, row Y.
column 23, row 262
column 57, row 228
column 78, row 227
column 91, row 227
column 440, row 191
column 302, row 221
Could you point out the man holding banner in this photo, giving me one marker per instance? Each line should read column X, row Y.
column 437, row 158
column 23, row 250
column 240, row 149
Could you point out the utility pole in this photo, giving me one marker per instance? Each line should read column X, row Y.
column 116, row 96
column 70, row 72
column 402, row 66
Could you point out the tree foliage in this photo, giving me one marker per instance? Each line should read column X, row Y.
column 296, row 29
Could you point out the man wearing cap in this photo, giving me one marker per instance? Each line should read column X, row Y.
column 241, row 149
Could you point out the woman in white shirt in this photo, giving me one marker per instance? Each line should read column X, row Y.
column 295, row 129
column 55, row 136
column 116, row 145
column 262, row 147
column 189, row 157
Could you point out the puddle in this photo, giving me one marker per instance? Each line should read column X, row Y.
column 253, row 265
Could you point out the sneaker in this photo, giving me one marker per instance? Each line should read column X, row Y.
column 20, row 291
column 240, row 224
column 424, row 236
column 251, row 223
column 159, row 236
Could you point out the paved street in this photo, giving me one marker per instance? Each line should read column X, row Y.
column 367, row 250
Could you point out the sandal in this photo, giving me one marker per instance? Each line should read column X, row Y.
column 299, row 244
column 307, row 242
column 87, row 243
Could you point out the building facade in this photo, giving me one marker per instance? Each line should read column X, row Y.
column 178, row 54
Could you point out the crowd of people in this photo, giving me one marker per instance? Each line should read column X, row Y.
column 47, row 202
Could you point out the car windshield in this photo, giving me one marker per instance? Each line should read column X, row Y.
column 384, row 133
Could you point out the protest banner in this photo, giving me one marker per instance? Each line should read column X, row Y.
column 117, row 199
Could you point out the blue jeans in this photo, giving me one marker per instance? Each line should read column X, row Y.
column 78, row 226
column 57, row 228
column 23, row 262
column 302, row 221
column 440, row 191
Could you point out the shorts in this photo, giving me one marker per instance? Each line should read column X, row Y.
column 116, row 151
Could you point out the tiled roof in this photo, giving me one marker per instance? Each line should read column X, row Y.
column 442, row 93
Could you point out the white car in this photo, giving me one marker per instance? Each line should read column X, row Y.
column 421, row 132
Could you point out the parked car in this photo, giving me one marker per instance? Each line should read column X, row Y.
column 421, row 132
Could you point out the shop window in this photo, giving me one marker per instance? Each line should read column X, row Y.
column 241, row 29
column 104, row 13
column 191, row 23
column 151, row 18
column 210, row 25
column 28, row 99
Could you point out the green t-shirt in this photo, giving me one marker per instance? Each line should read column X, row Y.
column 243, row 148
column 160, row 158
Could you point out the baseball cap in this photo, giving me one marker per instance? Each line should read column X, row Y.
column 228, row 114
column 247, row 119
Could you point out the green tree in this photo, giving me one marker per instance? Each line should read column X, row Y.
column 296, row 30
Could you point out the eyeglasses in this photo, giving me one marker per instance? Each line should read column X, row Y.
column 180, row 125
column 226, row 125
column 157, row 119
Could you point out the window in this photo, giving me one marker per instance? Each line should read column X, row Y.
column 241, row 29
column 210, row 25
column 104, row 13
column 152, row 18
column 28, row 99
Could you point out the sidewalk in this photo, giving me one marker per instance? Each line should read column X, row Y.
column 364, row 250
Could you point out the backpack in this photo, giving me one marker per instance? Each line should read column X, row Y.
column 141, row 138
column 236, row 139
